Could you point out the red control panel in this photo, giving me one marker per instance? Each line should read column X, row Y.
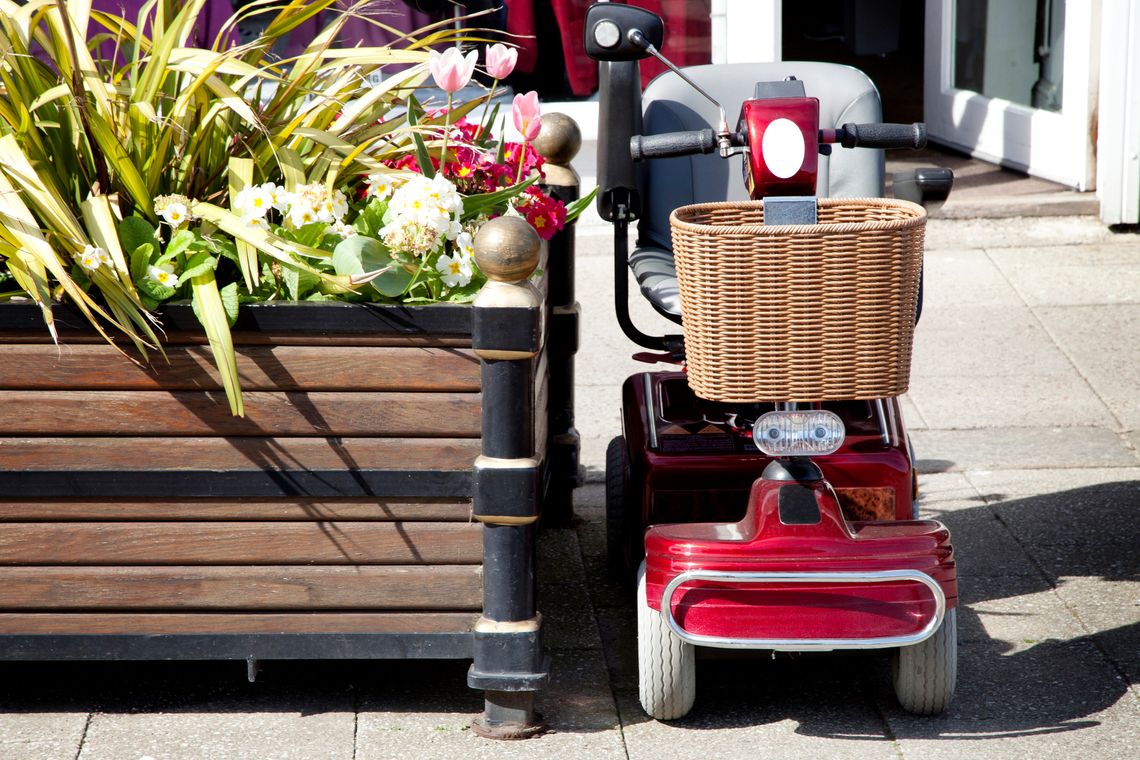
column 782, row 135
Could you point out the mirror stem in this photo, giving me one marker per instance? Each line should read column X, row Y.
column 723, row 136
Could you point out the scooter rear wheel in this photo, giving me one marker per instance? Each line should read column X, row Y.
column 666, row 665
column 926, row 673
column 621, row 554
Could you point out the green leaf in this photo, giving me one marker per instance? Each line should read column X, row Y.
column 153, row 290
column 371, row 218
column 575, row 209
column 198, row 265
column 415, row 113
column 298, row 283
column 473, row 205
column 230, row 302
column 140, row 260
column 207, row 304
column 361, row 255
column 178, row 245
column 134, row 231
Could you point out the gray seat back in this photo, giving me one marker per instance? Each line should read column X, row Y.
column 845, row 95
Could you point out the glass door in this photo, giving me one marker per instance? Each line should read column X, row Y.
column 1013, row 82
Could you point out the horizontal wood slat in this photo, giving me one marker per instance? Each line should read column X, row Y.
column 127, row 467
column 375, row 509
column 220, row 454
column 275, row 368
column 439, row 587
column 294, row 318
column 157, row 623
column 179, row 338
column 188, row 413
column 240, row 543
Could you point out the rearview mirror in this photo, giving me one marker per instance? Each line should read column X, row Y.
column 609, row 27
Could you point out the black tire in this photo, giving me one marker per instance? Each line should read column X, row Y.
column 619, row 514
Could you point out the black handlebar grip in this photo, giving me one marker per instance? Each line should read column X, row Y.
column 671, row 144
column 883, row 136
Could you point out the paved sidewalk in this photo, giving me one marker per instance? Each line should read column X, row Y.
column 1025, row 410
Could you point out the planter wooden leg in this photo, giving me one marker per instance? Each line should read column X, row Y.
column 558, row 143
column 509, row 664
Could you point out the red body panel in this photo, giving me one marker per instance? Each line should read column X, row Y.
column 763, row 542
column 701, row 470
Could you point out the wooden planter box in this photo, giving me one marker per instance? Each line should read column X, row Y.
column 135, row 504
column 349, row 514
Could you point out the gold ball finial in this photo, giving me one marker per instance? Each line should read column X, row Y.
column 507, row 249
column 559, row 140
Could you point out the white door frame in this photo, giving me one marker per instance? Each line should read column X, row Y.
column 1118, row 138
column 1054, row 146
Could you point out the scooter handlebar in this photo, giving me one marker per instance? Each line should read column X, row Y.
column 882, row 136
column 670, row 144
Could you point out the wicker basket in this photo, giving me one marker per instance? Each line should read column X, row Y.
column 799, row 313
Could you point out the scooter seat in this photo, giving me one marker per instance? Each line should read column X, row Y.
column 657, row 277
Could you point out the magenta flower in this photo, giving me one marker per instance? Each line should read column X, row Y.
column 451, row 69
column 501, row 60
column 527, row 115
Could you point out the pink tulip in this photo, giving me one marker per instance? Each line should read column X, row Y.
column 501, row 60
column 451, row 69
column 527, row 115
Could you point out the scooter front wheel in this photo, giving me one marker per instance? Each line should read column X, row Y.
column 666, row 665
column 926, row 673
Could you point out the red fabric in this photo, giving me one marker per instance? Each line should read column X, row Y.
column 688, row 37
column 520, row 27
column 688, row 34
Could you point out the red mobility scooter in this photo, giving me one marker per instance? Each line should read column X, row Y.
column 764, row 497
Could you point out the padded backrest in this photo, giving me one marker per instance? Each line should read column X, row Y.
column 845, row 95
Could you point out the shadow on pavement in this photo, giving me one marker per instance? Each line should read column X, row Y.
column 1047, row 642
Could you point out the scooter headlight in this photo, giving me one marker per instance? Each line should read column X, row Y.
column 799, row 433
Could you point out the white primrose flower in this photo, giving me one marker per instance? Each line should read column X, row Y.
column 163, row 274
column 279, row 197
column 456, row 270
column 422, row 212
column 342, row 229
column 175, row 214
column 253, row 200
column 93, row 257
column 465, row 245
column 316, row 203
column 255, row 221
column 381, row 185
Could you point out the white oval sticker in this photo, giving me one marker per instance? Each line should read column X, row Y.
column 783, row 148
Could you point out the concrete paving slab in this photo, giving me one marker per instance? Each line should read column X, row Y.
column 1000, row 350
column 1103, row 343
column 1003, row 485
column 947, row 318
column 1108, row 273
column 1110, row 612
column 1018, row 622
column 811, row 707
column 1019, row 449
column 312, row 732
column 1015, row 232
column 419, row 719
column 1114, row 250
column 1132, row 439
column 1055, row 699
column 983, row 545
column 41, row 735
column 962, row 401
column 964, row 276
column 912, row 418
